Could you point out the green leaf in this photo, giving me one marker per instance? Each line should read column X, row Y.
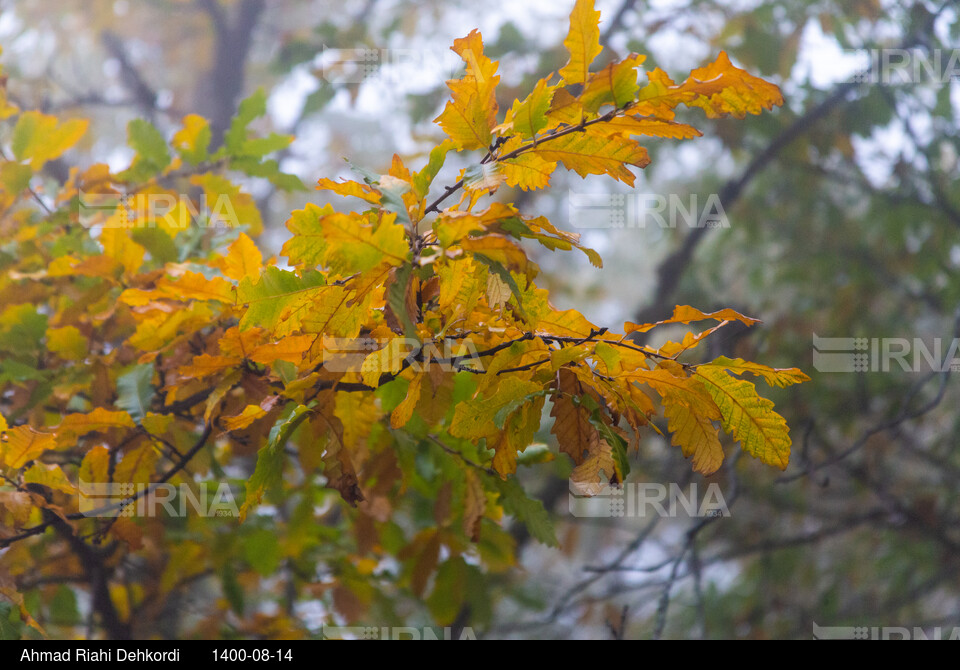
column 262, row 551
column 152, row 153
column 502, row 414
column 458, row 584
column 15, row 177
column 232, row 589
column 160, row 245
column 63, row 607
column 617, row 443
column 423, row 179
column 8, row 629
column 261, row 146
column 269, row 470
column 268, row 295
column 135, row 391
column 250, row 108
column 531, row 512
column 397, row 299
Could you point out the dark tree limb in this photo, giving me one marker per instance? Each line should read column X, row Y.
column 223, row 85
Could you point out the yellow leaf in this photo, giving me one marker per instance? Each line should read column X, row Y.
column 156, row 424
column 40, row 138
column 118, row 246
column 160, row 328
column 586, row 478
column 194, row 286
column 227, row 204
column 528, row 171
column 346, row 243
column 205, row 365
column 474, row 505
column 686, row 314
column 333, row 312
column 307, row 244
column 720, row 89
column 402, row 412
column 137, row 465
column 68, row 343
column 462, row 283
column 641, row 125
column 497, row 248
column 243, row 259
column 358, row 413
column 249, row 414
column 361, row 245
column 99, row 420
column 781, row 377
column 547, row 320
column 582, row 42
column 498, row 292
column 239, row 343
column 350, row 188
column 588, row 153
column 749, row 418
column 290, row 348
column 389, row 359
column 468, row 119
column 678, row 388
column 193, row 139
column 23, row 444
column 695, row 434
column 95, row 467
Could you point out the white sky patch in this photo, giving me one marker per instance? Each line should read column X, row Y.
column 120, row 158
column 288, row 97
column 821, row 60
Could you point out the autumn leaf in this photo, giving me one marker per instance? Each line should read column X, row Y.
column 582, row 42
column 616, row 84
column 469, row 118
column 686, row 314
column 99, row 420
column 24, row 444
column 749, row 418
column 243, row 259
column 587, row 154
column 529, row 117
column 781, row 377
column 695, row 434
column 40, row 138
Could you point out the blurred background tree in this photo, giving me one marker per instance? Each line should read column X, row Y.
column 841, row 220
